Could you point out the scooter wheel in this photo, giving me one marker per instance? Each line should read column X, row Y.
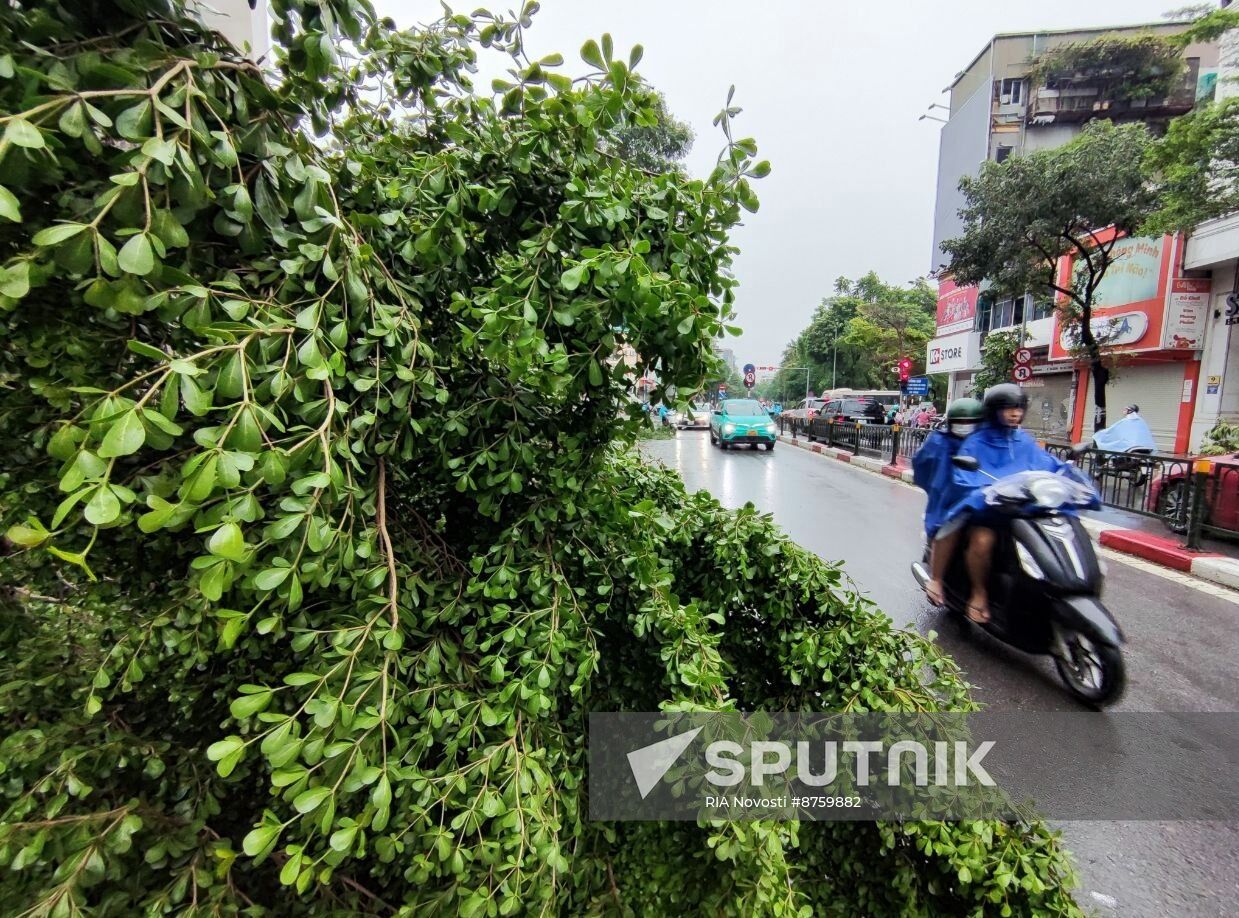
column 1095, row 674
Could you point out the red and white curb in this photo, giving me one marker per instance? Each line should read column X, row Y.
column 1159, row 550
column 864, row 462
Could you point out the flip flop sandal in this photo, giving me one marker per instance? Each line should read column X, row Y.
column 974, row 619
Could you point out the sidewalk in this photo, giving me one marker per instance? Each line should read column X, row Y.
column 1207, row 565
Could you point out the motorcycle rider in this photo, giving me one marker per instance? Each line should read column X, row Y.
column 1131, row 433
column 1002, row 449
column 932, row 471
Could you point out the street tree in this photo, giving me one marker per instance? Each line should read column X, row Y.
column 652, row 139
column 1024, row 216
column 321, row 537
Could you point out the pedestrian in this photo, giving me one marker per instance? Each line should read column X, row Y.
column 662, row 414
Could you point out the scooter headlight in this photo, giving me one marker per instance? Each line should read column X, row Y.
column 1028, row 562
column 1049, row 492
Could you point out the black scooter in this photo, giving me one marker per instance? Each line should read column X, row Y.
column 1045, row 582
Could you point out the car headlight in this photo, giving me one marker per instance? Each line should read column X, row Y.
column 729, row 428
column 1028, row 562
column 1048, row 492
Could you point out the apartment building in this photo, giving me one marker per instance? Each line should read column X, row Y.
column 1001, row 106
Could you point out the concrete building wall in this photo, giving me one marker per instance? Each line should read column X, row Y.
column 962, row 146
column 236, row 21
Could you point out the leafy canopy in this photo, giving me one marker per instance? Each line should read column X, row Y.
column 318, row 549
column 1022, row 216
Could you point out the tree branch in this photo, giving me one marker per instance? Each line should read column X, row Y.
column 388, row 554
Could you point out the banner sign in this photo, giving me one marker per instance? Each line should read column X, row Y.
column 918, row 385
column 957, row 307
column 1186, row 309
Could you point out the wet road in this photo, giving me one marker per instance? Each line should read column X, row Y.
column 1182, row 652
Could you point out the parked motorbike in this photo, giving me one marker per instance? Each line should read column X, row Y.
column 1045, row 581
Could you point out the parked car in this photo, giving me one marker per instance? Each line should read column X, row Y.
column 739, row 421
column 694, row 417
column 1168, row 494
column 805, row 411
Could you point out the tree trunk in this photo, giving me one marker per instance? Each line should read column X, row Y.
column 1101, row 376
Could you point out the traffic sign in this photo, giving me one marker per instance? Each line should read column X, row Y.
column 750, row 378
column 1022, row 373
column 722, row 388
column 918, row 385
column 749, row 368
column 1023, row 355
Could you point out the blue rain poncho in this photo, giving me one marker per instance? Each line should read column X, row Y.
column 1001, row 451
column 933, row 473
column 1130, row 433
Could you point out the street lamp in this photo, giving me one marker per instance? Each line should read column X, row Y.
column 806, row 381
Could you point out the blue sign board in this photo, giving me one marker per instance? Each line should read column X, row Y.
column 918, row 385
column 749, row 368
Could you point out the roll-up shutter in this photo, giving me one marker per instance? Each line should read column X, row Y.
column 1157, row 388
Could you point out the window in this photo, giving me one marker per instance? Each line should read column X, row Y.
column 1002, row 314
column 1011, row 92
column 1001, row 154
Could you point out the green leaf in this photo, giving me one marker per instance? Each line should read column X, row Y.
column 136, row 256
column 9, row 208
column 15, row 280
column 22, row 133
column 310, row 800
column 135, row 122
column 58, row 233
column 260, row 841
column 272, row 577
column 104, row 507
column 30, row 535
column 125, row 437
column 228, row 542
column 146, row 350
column 592, row 55
column 224, row 747
column 573, row 277
column 248, row 705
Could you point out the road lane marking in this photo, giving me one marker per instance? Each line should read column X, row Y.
column 1183, row 579
column 1187, row 580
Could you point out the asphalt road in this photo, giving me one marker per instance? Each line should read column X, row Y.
column 1182, row 652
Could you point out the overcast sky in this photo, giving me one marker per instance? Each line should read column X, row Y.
column 832, row 92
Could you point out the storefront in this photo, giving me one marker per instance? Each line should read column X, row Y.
column 1151, row 322
column 957, row 356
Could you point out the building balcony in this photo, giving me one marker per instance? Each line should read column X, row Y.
column 1080, row 102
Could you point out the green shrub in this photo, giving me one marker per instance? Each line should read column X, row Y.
column 318, row 554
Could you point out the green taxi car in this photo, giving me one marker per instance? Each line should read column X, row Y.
column 738, row 421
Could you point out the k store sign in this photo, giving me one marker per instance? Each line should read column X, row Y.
column 953, row 353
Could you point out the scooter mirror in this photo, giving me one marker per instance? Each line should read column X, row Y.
column 967, row 463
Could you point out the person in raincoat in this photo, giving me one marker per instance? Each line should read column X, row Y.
column 1130, row 433
column 932, row 471
column 1002, row 449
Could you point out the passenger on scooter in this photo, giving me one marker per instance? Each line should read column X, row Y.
column 932, row 471
column 1002, row 449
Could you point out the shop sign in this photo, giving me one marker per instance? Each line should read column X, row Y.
column 1117, row 329
column 953, row 352
column 1186, row 308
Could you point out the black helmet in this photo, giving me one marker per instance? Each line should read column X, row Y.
column 1133, row 409
column 1001, row 397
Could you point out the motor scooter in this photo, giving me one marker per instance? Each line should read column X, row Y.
column 1045, row 580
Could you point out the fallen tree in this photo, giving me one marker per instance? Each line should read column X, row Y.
column 317, row 551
